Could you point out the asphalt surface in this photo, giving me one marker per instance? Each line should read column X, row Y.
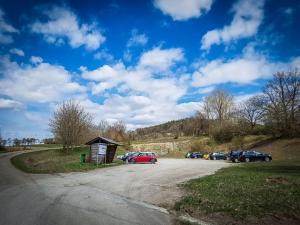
column 128, row 194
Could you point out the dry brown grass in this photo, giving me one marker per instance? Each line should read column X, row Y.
column 280, row 149
column 285, row 149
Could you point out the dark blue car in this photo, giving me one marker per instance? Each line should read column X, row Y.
column 217, row 156
column 127, row 155
column 196, row 155
column 253, row 155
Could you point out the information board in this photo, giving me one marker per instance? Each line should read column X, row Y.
column 102, row 149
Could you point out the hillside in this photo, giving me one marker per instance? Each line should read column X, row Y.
column 281, row 149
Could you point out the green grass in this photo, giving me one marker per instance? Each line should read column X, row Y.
column 246, row 189
column 54, row 161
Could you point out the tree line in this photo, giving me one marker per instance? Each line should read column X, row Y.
column 20, row 142
column 275, row 111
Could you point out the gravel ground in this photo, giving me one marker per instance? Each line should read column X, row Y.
column 151, row 183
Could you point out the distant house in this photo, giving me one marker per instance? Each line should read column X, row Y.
column 94, row 150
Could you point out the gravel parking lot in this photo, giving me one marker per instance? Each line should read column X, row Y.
column 152, row 183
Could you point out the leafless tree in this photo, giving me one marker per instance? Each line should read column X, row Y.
column 70, row 124
column 218, row 107
column 251, row 111
column 102, row 127
column 282, row 102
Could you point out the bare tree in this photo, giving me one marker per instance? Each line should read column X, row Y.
column 251, row 110
column 282, row 102
column 70, row 124
column 116, row 131
column 102, row 127
column 219, row 107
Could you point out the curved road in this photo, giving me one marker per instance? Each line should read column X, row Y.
column 118, row 195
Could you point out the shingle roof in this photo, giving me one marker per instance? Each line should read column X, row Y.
column 101, row 140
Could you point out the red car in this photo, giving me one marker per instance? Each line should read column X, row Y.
column 142, row 157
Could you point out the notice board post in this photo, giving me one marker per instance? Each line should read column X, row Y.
column 102, row 147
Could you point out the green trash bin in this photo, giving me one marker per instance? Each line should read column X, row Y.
column 82, row 159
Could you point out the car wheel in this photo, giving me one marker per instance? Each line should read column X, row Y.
column 267, row 159
column 247, row 160
column 236, row 160
column 132, row 161
column 215, row 158
column 152, row 161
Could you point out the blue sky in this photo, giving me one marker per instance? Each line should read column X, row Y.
column 144, row 62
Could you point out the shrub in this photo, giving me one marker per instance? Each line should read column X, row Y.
column 237, row 142
column 197, row 146
column 2, row 148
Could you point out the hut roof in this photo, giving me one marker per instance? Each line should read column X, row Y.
column 102, row 140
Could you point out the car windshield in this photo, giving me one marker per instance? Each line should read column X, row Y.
column 136, row 154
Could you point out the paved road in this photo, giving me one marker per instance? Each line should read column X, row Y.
column 129, row 194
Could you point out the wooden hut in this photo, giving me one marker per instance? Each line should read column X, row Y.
column 111, row 149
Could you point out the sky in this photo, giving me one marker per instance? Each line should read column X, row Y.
column 143, row 62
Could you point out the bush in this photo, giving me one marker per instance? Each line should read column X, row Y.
column 237, row 142
column 2, row 148
column 223, row 135
column 197, row 146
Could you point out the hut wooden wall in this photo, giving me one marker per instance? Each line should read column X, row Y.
column 110, row 153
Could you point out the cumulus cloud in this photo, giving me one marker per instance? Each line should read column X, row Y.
column 141, row 93
column 63, row 23
column 17, row 51
column 6, row 30
column 158, row 60
column 104, row 55
column 244, row 70
column 183, row 10
column 34, row 117
column 36, row 59
column 248, row 15
column 6, row 104
column 40, row 82
column 137, row 39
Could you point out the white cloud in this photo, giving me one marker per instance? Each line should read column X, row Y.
column 158, row 60
column 244, row 70
column 63, row 23
column 104, row 55
column 183, row 10
column 17, row 51
column 39, row 83
column 248, row 15
column 127, row 55
column 6, row 30
column 135, row 93
column 137, row 39
column 36, row 59
column 34, row 117
column 10, row 104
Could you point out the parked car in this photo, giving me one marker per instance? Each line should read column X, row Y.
column 253, row 155
column 196, row 155
column 206, row 156
column 187, row 155
column 127, row 155
column 234, row 155
column 142, row 157
column 217, row 156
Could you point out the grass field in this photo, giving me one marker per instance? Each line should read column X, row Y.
column 250, row 190
column 246, row 189
column 54, row 161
